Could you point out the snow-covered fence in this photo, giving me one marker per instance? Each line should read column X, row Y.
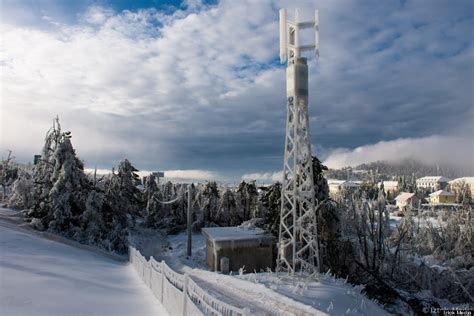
column 178, row 293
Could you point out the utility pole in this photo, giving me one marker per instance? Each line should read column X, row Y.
column 189, row 223
column 298, row 244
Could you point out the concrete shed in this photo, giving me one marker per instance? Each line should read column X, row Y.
column 252, row 248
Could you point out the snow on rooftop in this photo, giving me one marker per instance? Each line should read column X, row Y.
column 335, row 182
column 389, row 183
column 234, row 233
column 468, row 180
column 433, row 178
column 404, row 196
column 344, row 183
column 442, row 193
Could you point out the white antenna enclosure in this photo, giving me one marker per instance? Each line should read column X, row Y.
column 282, row 36
column 316, row 33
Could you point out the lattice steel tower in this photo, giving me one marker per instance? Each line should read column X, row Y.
column 298, row 249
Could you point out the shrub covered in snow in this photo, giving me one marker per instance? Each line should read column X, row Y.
column 22, row 192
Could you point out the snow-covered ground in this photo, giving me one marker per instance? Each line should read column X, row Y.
column 264, row 292
column 43, row 277
column 422, row 221
column 39, row 276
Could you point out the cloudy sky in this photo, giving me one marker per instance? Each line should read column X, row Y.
column 196, row 88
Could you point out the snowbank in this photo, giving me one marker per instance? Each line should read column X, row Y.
column 43, row 277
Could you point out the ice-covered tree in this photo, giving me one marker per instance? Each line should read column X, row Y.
column 127, row 182
column 321, row 188
column 270, row 199
column 462, row 190
column 167, row 193
column 92, row 221
column 116, row 216
column 227, row 212
column 8, row 173
column 246, row 197
column 22, row 194
column 372, row 222
column 152, row 206
column 210, row 202
column 43, row 172
column 369, row 190
column 179, row 208
column 67, row 197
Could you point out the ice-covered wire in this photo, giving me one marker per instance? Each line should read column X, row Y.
column 168, row 202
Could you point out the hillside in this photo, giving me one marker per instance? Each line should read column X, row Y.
column 44, row 277
column 388, row 169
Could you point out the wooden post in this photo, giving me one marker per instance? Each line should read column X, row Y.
column 162, row 279
column 185, row 290
column 189, row 223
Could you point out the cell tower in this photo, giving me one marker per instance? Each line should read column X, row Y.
column 298, row 246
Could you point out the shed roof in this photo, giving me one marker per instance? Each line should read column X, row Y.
column 234, row 233
column 442, row 193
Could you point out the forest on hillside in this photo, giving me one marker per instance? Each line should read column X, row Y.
column 387, row 170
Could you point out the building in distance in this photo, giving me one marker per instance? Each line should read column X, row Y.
column 405, row 199
column 469, row 181
column 389, row 186
column 432, row 182
column 442, row 197
column 336, row 186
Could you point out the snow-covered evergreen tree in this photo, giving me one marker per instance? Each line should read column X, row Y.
column 179, row 208
column 210, row 202
column 92, row 221
column 67, row 197
column 127, row 182
column 252, row 197
column 167, row 193
column 227, row 213
column 44, row 171
column 246, row 197
column 271, row 201
column 321, row 188
column 152, row 206
column 115, row 215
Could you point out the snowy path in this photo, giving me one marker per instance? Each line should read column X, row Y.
column 259, row 299
column 44, row 277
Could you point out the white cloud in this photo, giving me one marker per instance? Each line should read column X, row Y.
column 200, row 88
column 266, row 177
column 97, row 15
column 125, row 82
column 452, row 150
column 196, row 175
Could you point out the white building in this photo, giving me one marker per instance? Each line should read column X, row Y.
column 389, row 185
column 407, row 199
column 336, row 186
column 432, row 182
column 468, row 180
column 442, row 197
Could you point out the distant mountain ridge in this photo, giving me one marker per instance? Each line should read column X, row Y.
column 405, row 167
